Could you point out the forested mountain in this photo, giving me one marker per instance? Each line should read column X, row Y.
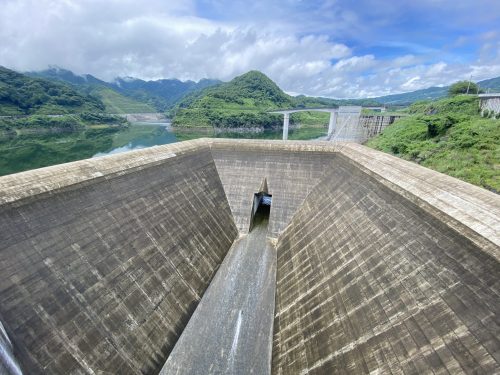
column 21, row 95
column 162, row 94
column 245, row 101
column 491, row 85
column 240, row 103
column 129, row 95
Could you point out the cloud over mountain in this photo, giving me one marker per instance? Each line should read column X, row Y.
column 329, row 48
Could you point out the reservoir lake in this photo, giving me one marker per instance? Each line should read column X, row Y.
column 29, row 151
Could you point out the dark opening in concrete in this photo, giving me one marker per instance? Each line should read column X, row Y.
column 261, row 208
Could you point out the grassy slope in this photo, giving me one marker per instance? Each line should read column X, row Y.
column 448, row 136
column 119, row 104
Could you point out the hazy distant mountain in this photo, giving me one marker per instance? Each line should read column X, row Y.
column 163, row 93
column 158, row 95
column 57, row 73
column 127, row 94
column 432, row 93
column 114, row 101
column 490, row 85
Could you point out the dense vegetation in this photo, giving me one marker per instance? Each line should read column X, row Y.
column 118, row 103
column 21, row 95
column 244, row 103
column 241, row 103
column 463, row 87
column 129, row 95
column 449, row 136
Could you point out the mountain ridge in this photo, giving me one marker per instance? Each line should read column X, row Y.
column 21, row 95
column 432, row 93
column 158, row 95
column 242, row 102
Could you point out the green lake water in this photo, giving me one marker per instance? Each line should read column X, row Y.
column 30, row 151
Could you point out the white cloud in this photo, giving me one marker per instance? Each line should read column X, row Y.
column 158, row 39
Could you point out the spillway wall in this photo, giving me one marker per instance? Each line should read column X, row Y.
column 104, row 261
column 371, row 282
column 291, row 173
column 382, row 266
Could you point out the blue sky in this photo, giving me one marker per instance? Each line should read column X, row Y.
column 334, row 48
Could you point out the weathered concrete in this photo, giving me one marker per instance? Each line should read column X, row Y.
column 8, row 361
column 373, row 125
column 382, row 265
column 101, row 274
column 369, row 282
column 290, row 177
column 231, row 331
column 489, row 102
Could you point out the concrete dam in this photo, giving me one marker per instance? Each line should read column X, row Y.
column 242, row 256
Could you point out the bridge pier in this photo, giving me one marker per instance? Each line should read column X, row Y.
column 286, row 122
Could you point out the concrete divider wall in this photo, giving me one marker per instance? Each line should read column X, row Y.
column 104, row 261
column 369, row 282
column 291, row 174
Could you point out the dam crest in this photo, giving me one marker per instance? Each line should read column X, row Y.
column 245, row 256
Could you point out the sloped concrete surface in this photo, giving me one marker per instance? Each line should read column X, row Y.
column 231, row 329
column 100, row 275
column 369, row 282
column 290, row 177
column 382, row 266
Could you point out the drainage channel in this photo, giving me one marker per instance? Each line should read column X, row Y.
column 231, row 330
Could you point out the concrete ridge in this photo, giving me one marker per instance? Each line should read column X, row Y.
column 464, row 205
column 19, row 186
column 466, row 208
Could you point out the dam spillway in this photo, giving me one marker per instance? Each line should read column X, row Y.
column 379, row 265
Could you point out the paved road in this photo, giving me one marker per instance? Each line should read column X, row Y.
column 231, row 330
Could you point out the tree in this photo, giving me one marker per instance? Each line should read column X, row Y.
column 463, row 87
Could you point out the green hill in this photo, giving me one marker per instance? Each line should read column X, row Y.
column 240, row 103
column 108, row 93
column 449, row 136
column 245, row 102
column 22, row 95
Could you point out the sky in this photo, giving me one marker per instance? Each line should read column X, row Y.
column 331, row 48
